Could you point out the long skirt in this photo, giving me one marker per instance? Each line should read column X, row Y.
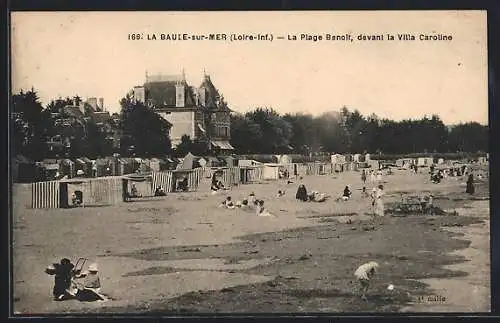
column 379, row 208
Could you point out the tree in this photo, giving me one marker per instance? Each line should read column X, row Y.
column 185, row 146
column 30, row 123
column 276, row 131
column 246, row 135
column 143, row 129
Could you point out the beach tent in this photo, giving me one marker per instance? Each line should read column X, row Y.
column 189, row 162
column 270, row 171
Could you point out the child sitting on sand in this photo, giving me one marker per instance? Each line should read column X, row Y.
column 261, row 211
column 280, row 193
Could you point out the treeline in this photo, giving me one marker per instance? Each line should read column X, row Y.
column 265, row 131
column 142, row 132
column 137, row 128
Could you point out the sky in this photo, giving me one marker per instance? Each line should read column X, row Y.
column 88, row 53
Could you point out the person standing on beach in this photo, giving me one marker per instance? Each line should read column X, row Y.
column 470, row 185
column 372, row 176
column 379, row 203
column 363, row 177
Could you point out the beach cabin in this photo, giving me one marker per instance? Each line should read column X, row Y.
column 425, row 161
column 367, row 157
column 440, row 161
column 248, row 162
column 89, row 192
column 270, row 171
column 136, row 186
column 404, row 162
column 356, row 157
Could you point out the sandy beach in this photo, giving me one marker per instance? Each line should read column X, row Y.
column 185, row 254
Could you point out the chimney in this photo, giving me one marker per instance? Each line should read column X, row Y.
column 101, row 104
column 180, row 93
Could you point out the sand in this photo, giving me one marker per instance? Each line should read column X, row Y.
column 193, row 223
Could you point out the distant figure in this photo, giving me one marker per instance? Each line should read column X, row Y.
column 280, row 193
column 347, row 193
column 244, row 205
column 363, row 176
column 75, row 199
column 364, row 274
column 261, row 211
column 470, row 185
column 379, row 203
column 216, row 184
column 227, row 203
column 379, row 176
column 183, row 185
column 160, row 191
column 302, row 193
column 373, row 195
column 372, row 176
column 133, row 191
column 252, row 199
column 364, row 193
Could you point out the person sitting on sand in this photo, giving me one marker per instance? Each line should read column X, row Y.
column 64, row 274
column 182, row 186
column 245, row 205
column 318, row 197
column 364, row 274
column 347, row 193
column 261, row 211
column 227, row 203
column 301, row 194
column 160, row 191
column 280, row 193
column 90, row 289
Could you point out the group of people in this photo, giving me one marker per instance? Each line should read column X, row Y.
column 375, row 176
column 217, row 185
column 247, row 204
column 71, row 283
column 313, row 196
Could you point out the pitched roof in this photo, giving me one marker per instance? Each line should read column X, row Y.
column 162, row 94
column 100, row 117
column 73, row 111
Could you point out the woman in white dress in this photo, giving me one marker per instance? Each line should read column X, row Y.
column 379, row 203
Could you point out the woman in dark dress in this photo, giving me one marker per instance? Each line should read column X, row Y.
column 470, row 185
column 62, row 281
column 302, row 193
